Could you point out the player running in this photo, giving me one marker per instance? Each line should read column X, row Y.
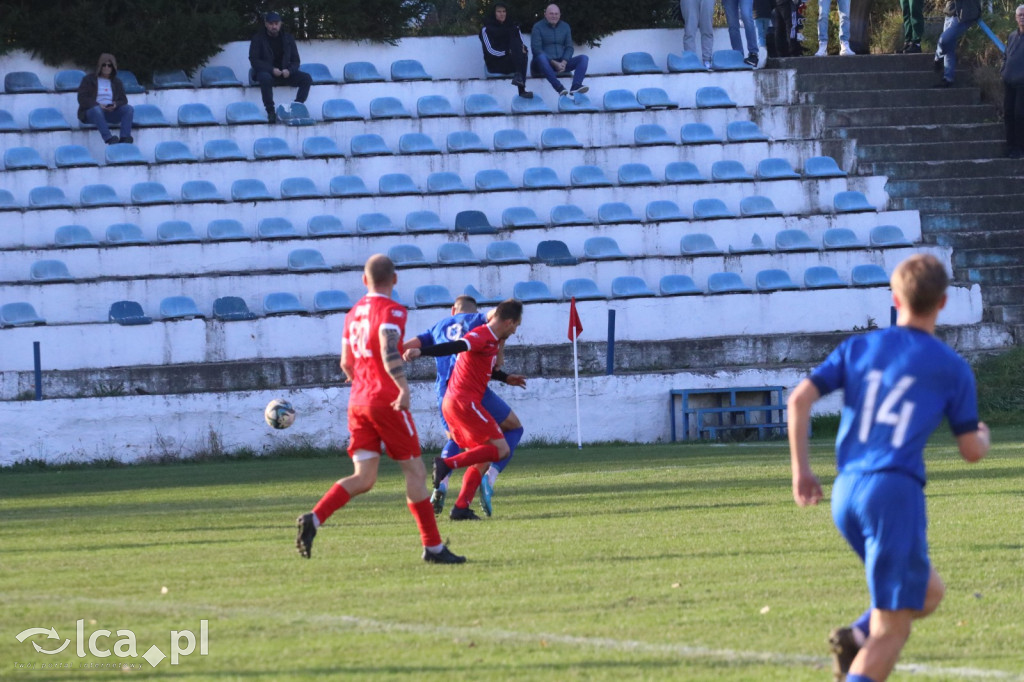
column 898, row 384
column 472, row 427
column 465, row 317
column 378, row 413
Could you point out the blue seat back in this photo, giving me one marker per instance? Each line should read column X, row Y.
column 822, row 167
column 758, row 205
column 375, row 223
column 712, row 96
column 532, row 292
column 225, row 229
column 348, row 186
column 473, row 222
column 621, row 100
column 520, row 216
column 424, row 221
column 325, row 225
column 588, row 176
column 123, row 155
column 775, row 168
column 493, row 180
column 368, row 144
column 541, row 177
column 710, row 209
column 74, row 235
column 505, row 252
column 432, row 295
column 582, row 288
column 602, row 248
column 49, row 270
column 320, row 74
column 271, row 148
column 773, row 279
column 361, row 72
column 406, row 255
column 195, row 114
column 482, row 104
column 841, row 238
column 465, row 141
column 569, row 214
column 511, row 139
column 728, row 170
column 639, row 62
column 555, row 252
column 127, row 313
column 340, row 110
column 171, row 231
column 179, row 308
column 388, row 107
column 431, row 106
column 729, row 60
column 698, row 133
column 744, row 131
column 686, row 62
column 320, row 147
column 888, row 235
column 125, row 233
column 869, row 275
column 698, row 244
column 330, row 300
column 822, row 277
column 299, row 188
column 68, row 80
column 47, row 118
column 655, row 98
column 794, row 239
column 47, row 196
column 16, row 82
column 649, row 134
column 275, row 228
column 726, row 282
column 615, row 212
column 20, row 158
column 408, row 70
column 851, row 201
column 231, row 308
column 148, row 193
column 243, row 113
column 558, row 138
column 636, row 174
column 630, row 286
column 282, row 303
column 663, row 210
column 168, row 80
column 218, row 77
column 683, row 171
column 397, row 183
column 417, row 143
column 456, row 253
column 222, row 150
column 529, row 105
column 249, row 189
column 173, row 151
column 306, row 260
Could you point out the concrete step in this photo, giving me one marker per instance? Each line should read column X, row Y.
column 871, row 63
column 858, row 114
column 1010, row 315
column 944, row 223
column 989, row 258
column 931, row 151
column 1010, row 295
column 976, row 240
column 866, row 81
column 952, row 133
column 964, row 187
column 992, row 203
column 955, row 170
column 890, row 99
column 1005, row 275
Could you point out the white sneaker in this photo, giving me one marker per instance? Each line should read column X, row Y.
column 762, row 57
column 822, row 50
column 844, row 49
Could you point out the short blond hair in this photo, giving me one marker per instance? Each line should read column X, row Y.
column 379, row 270
column 920, row 283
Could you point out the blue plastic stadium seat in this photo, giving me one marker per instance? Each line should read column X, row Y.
column 710, row 209
column 541, row 177
column 7, row 201
column 794, row 240
column 397, row 183
column 588, row 176
column 480, row 298
column 726, row 283
column 47, row 196
column 729, row 171
column 299, row 188
column 460, row 141
column 406, row 255
column 433, row 106
column 532, row 292
column 582, row 288
column 131, row 85
column 47, row 118
column 555, row 252
column 615, row 212
column 276, row 228
column 630, row 286
column 340, row 110
column 648, row 134
column 698, row 133
column 884, row 236
column 851, row 201
column 250, row 189
column 150, row 193
column 218, row 77
column 729, row 60
column 841, row 238
column 699, row 244
column 432, row 296
column 663, row 210
column 325, row 225
column 683, row 172
column 687, row 62
column 775, row 168
column 579, row 104
column 376, row 223
column 244, row 113
column 773, row 280
column 755, row 245
column 195, row 114
column 179, row 308
column 330, row 300
column 49, row 270
column 21, row 158
column 505, row 252
column 320, row 74
column 320, row 147
column 306, row 260
column 148, row 116
column 621, row 100
column 744, row 131
column 482, row 104
column 822, row 277
column 639, row 62
column 169, row 80
column 493, row 180
column 408, row 70
column 199, row 191
column 7, row 122
column 67, row 80
column 602, row 248
column 173, row 151
column 388, row 107
column 512, row 140
column 368, row 144
column 282, row 303
column 348, row 186
column 128, row 313
column 123, row 155
column 225, row 229
column 757, row 206
column 456, row 253
column 173, row 231
column 822, row 167
column 569, row 214
column 73, row 156
column 424, row 221
column 712, row 96
column 655, row 98
column 869, row 276
column 271, row 148
column 636, row 174
column 473, row 222
column 232, row 309
column 520, row 216
column 17, row 82
column 532, row 105
column 69, row 236
column 417, row 143
column 558, row 138
column 361, row 72
column 123, row 234
column 221, row 150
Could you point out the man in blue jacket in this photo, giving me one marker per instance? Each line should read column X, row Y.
column 1013, row 84
column 961, row 15
column 551, row 40
column 275, row 61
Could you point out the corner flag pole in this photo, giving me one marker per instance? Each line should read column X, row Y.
column 575, row 327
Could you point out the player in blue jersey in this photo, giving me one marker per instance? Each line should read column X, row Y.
column 898, row 384
column 465, row 317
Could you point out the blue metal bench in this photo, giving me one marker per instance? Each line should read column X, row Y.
column 729, row 410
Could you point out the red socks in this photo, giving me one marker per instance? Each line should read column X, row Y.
column 470, row 482
column 335, row 498
column 423, row 512
column 478, row 455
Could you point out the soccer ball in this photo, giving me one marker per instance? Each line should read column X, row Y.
column 279, row 414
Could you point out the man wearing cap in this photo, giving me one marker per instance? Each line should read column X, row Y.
column 275, row 61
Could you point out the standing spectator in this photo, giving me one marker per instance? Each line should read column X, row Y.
column 551, row 40
column 824, row 10
column 1013, row 84
column 965, row 14
column 698, row 16
column 102, row 101
column 275, row 61
column 762, row 12
column 735, row 12
column 784, row 21
column 913, row 26
column 504, row 50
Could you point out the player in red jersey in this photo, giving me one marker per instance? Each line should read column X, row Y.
column 378, row 413
column 471, row 426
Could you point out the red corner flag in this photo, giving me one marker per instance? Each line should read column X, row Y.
column 574, row 320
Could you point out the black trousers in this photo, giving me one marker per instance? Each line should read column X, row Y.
column 1013, row 115
column 513, row 62
column 267, row 81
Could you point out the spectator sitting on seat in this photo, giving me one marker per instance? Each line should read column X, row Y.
column 504, row 51
column 960, row 16
column 102, row 100
column 1013, row 84
column 275, row 61
column 551, row 40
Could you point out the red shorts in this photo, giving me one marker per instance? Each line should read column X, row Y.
column 369, row 426
column 469, row 423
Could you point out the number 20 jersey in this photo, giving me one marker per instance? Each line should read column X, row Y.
column 898, row 383
column 372, row 385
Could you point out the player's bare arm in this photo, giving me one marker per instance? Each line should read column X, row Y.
column 347, row 363
column 806, row 488
column 974, row 445
column 392, row 359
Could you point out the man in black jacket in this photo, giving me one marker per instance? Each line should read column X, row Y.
column 964, row 14
column 275, row 61
column 504, row 51
column 1013, row 84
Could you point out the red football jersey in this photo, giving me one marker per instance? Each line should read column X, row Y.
column 372, row 385
column 473, row 368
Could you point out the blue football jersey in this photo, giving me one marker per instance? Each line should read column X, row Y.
column 449, row 329
column 898, row 384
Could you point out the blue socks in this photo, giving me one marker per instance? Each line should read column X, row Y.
column 450, row 449
column 512, row 438
column 864, row 623
column 858, row 678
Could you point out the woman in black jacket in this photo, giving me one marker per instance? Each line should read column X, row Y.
column 504, row 51
column 1013, row 84
column 102, row 101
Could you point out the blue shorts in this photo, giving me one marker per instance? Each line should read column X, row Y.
column 882, row 516
column 494, row 406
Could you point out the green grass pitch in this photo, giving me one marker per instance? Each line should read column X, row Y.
column 670, row 562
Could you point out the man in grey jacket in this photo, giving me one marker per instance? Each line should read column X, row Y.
column 1013, row 84
column 551, row 40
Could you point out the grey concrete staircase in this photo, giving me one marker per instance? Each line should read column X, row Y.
column 943, row 151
